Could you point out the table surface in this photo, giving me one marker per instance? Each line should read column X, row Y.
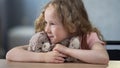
column 8, row 64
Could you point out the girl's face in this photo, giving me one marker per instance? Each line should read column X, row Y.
column 54, row 27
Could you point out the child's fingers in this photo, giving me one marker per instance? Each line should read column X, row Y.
column 60, row 59
column 58, row 54
column 62, row 55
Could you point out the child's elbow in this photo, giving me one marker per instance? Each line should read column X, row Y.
column 106, row 60
column 8, row 56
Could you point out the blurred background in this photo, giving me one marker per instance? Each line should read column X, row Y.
column 17, row 22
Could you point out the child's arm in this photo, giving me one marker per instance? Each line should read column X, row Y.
column 97, row 54
column 21, row 54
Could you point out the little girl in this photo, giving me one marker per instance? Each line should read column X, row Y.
column 62, row 19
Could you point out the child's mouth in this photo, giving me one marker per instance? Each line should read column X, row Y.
column 50, row 37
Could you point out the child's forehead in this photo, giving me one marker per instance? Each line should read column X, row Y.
column 52, row 12
column 51, row 7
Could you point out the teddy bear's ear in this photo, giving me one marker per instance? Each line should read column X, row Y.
column 75, row 43
column 42, row 32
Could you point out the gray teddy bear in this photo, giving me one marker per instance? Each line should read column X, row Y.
column 40, row 43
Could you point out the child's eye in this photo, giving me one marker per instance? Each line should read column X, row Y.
column 52, row 24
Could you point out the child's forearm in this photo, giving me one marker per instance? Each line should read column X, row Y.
column 87, row 56
column 90, row 56
column 20, row 54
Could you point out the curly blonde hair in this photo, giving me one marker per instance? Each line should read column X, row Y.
column 73, row 16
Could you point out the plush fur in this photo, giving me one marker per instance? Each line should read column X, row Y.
column 40, row 43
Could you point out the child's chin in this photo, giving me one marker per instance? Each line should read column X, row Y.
column 53, row 42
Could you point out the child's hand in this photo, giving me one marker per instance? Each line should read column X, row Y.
column 60, row 48
column 54, row 57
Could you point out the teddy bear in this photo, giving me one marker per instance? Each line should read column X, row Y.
column 41, row 43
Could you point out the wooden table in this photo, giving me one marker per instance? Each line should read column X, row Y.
column 6, row 64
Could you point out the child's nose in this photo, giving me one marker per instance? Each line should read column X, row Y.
column 47, row 28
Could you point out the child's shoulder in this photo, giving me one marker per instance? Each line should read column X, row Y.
column 93, row 38
column 92, row 35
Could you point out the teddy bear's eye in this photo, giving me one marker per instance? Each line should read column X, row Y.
column 42, row 42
